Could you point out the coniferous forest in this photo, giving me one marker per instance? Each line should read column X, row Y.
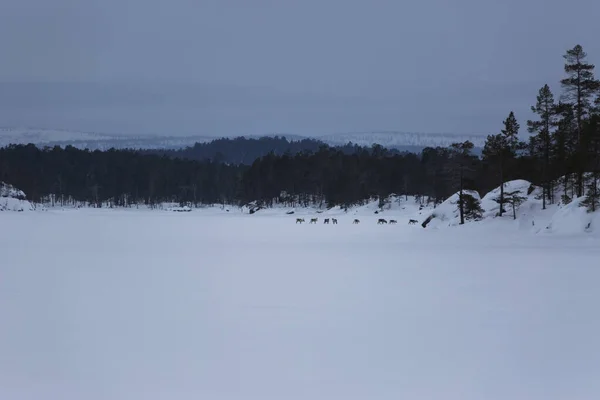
column 562, row 148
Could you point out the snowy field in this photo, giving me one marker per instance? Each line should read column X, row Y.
column 130, row 305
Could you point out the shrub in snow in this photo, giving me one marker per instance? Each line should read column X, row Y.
column 472, row 207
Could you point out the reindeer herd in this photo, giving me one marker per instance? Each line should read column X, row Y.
column 334, row 221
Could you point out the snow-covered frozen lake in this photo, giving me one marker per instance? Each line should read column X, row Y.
column 154, row 305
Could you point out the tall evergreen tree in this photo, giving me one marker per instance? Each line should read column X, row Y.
column 579, row 87
column 499, row 150
column 563, row 151
column 542, row 141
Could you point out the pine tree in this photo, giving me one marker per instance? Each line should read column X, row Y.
column 515, row 200
column 580, row 87
column 563, row 151
column 542, row 141
column 500, row 149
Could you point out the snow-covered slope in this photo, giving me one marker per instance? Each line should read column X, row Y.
column 93, row 141
column 13, row 199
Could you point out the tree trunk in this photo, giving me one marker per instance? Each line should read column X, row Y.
column 594, row 196
column 501, row 191
column 544, row 196
column 579, row 141
column 461, row 203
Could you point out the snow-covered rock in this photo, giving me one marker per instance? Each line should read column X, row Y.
column 573, row 218
column 13, row 199
column 522, row 187
column 447, row 213
column 180, row 209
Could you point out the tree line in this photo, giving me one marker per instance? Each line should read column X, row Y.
column 327, row 177
column 563, row 149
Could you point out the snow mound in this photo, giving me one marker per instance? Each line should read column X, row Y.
column 574, row 218
column 13, row 199
column 447, row 213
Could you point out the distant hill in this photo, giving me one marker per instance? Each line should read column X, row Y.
column 400, row 141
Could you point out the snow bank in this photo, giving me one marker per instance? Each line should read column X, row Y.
column 13, row 199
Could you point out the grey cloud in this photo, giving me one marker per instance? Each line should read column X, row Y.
column 312, row 66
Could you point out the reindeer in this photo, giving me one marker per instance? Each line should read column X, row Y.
column 334, row 221
column 381, row 221
column 393, row 221
column 326, row 221
column 314, row 220
column 356, row 221
column 299, row 220
column 412, row 221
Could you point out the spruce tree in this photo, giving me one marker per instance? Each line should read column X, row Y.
column 542, row 141
column 579, row 87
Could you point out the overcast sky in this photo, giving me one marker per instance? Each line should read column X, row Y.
column 228, row 67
